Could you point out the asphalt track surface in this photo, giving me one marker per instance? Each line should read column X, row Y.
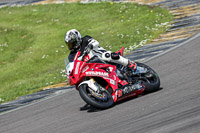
column 173, row 109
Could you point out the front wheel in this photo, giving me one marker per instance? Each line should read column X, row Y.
column 100, row 100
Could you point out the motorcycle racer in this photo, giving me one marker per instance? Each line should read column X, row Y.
column 76, row 42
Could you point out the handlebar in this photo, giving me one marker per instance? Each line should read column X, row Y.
column 87, row 51
column 84, row 54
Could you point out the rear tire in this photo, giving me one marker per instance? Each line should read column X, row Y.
column 85, row 95
column 152, row 84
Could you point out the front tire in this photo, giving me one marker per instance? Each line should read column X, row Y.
column 91, row 100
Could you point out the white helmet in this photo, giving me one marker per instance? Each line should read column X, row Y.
column 73, row 39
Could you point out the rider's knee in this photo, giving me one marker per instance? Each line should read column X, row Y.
column 106, row 56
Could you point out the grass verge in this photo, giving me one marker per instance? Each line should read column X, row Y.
column 32, row 45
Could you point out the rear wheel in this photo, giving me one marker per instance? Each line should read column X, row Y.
column 150, row 80
column 101, row 100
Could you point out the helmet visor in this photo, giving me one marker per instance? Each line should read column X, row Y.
column 71, row 45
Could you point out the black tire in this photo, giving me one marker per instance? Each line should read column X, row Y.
column 154, row 84
column 83, row 91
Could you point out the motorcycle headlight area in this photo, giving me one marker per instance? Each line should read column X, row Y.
column 69, row 68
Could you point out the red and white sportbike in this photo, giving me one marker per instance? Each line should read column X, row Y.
column 101, row 84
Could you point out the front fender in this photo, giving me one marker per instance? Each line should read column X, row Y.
column 90, row 83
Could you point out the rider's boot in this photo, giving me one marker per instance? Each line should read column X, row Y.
column 132, row 65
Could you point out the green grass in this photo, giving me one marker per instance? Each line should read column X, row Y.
column 32, row 44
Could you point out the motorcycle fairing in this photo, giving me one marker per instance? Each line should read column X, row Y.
column 74, row 76
column 105, row 71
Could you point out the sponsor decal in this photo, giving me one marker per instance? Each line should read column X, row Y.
column 139, row 86
column 104, row 74
column 126, row 90
column 111, row 81
column 114, row 77
column 119, row 93
column 85, row 68
column 111, row 69
column 77, row 67
column 86, row 58
column 132, row 88
column 113, row 97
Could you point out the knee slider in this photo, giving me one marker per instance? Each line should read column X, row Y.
column 115, row 56
column 107, row 55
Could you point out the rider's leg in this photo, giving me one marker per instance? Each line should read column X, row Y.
column 116, row 58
